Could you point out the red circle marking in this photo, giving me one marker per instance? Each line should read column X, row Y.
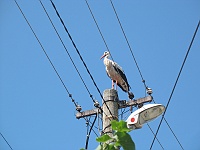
column 132, row 119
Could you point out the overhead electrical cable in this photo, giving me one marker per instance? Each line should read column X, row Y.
column 69, row 56
column 185, row 58
column 70, row 37
column 70, row 95
column 89, row 122
column 171, row 130
column 154, row 135
column 6, row 141
column 128, row 45
column 88, row 135
column 67, row 51
column 126, row 40
column 71, row 60
column 137, row 63
column 99, row 29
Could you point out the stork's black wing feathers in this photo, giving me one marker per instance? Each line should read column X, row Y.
column 121, row 72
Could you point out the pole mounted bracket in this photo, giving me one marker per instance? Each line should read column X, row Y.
column 88, row 113
column 135, row 102
column 121, row 104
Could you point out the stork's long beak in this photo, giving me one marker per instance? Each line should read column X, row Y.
column 103, row 56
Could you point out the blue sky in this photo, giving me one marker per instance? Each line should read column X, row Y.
column 35, row 109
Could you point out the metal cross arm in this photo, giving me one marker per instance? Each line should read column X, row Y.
column 124, row 103
column 88, row 113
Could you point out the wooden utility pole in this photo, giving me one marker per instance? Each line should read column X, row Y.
column 110, row 110
column 121, row 104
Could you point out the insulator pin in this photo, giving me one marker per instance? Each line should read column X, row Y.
column 78, row 108
column 96, row 104
column 149, row 91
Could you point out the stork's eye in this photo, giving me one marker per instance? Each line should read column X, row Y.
column 106, row 52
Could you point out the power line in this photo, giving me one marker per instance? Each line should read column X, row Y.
column 91, row 127
column 69, row 56
column 89, row 122
column 128, row 44
column 67, row 51
column 79, row 54
column 154, row 135
column 98, row 28
column 138, row 66
column 88, row 135
column 175, row 84
column 131, row 53
column 6, row 141
column 147, row 125
column 70, row 95
column 171, row 131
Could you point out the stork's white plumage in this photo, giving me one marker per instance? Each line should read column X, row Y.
column 116, row 73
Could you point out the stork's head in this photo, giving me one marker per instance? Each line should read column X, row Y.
column 105, row 54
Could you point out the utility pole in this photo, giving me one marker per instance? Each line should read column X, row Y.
column 121, row 104
column 109, row 109
column 110, row 100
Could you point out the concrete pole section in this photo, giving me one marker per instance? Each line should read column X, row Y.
column 111, row 99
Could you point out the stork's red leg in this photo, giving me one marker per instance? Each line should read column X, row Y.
column 112, row 84
column 116, row 85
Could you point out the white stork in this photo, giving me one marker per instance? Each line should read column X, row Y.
column 116, row 73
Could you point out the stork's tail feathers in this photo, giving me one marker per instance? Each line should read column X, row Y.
column 130, row 95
